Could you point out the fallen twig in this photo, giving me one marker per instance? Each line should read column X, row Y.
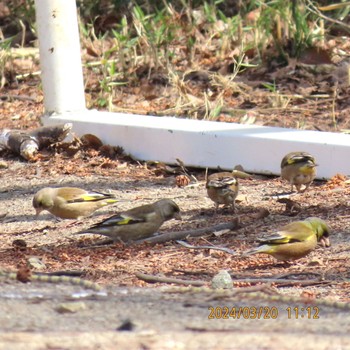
column 183, row 168
column 282, row 282
column 221, row 293
column 223, row 249
column 173, row 236
column 160, row 279
column 71, row 273
column 26, row 276
column 17, row 97
column 290, row 275
column 261, row 292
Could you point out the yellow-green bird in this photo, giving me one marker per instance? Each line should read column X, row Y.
column 299, row 168
column 223, row 187
column 70, row 202
column 294, row 240
column 137, row 223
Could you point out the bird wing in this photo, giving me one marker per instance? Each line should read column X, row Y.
column 298, row 231
column 297, row 158
column 221, row 180
column 277, row 238
column 79, row 195
column 119, row 220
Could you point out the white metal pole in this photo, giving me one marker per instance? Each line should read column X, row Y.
column 60, row 59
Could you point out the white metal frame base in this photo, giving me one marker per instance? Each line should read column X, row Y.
column 204, row 144
column 197, row 143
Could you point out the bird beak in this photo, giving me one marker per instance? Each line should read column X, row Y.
column 325, row 242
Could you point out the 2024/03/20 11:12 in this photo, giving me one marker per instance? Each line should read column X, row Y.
column 261, row 312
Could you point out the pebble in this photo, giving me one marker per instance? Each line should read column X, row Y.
column 222, row 280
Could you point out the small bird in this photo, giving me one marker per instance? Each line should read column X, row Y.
column 295, row 240
column 137, row 223
column 222, row 188
column 70, row 202
column 299, row 168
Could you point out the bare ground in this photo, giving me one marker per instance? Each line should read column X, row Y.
column 161, row 319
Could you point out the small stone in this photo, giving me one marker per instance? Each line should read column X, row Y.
column 315, row 262
column 222, row 280
column 36, row 263
column 20, row 244
column 241, row 198
column 71, row 307
column 126, row 325
column 3, row 165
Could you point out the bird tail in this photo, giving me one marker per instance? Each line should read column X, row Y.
column 82, row 232
column 258, row 250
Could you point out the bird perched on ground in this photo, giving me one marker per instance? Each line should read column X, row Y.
column 294, row 240
column 137, row 223
column 70, row 202
column 222, row 188
column 299, row 168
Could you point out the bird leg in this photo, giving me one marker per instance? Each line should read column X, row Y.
column 298, row 187
column 306, row 187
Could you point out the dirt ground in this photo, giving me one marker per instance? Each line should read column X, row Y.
column 157, row 318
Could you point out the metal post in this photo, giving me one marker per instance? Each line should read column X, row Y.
column 60, row 60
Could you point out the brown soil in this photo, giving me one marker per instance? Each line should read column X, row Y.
column 160, row 318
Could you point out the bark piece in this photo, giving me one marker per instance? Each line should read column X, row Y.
column 27, row 143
